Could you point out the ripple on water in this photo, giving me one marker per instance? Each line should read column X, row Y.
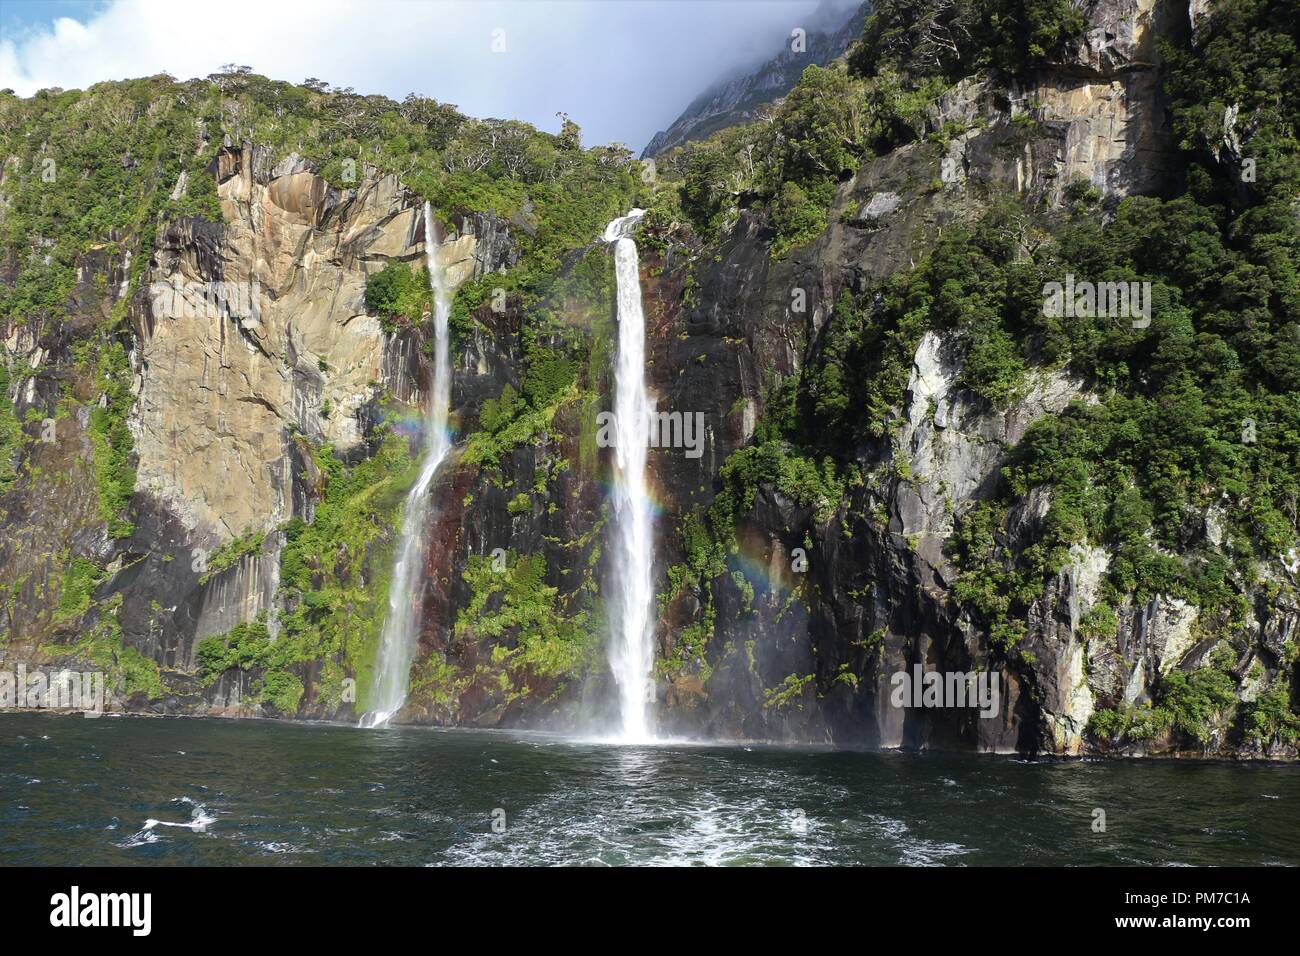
column 254, row 792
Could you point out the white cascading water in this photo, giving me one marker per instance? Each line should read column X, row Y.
column 631, row 654
column 401, row 627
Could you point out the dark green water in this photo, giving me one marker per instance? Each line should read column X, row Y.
column 79, row 791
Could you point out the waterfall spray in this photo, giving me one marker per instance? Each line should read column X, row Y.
column 631, row 655
column 402, row 625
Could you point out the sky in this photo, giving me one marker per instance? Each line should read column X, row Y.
column 622, row 69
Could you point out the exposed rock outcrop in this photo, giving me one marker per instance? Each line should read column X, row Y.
column 250, row 335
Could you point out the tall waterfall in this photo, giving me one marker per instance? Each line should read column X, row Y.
column 402, row 626
column 631, row 655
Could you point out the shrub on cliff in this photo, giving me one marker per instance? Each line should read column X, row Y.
column 397, row 292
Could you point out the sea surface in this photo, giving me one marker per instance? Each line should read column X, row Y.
column 131, row 790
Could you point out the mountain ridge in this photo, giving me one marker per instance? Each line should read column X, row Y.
column 737, row 98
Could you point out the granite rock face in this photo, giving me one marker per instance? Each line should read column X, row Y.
column 251, row 338
column 218, row 393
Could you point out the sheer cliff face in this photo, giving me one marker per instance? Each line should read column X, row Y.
column 251, row 344
column 877, row 569
column 823, row 611
column 877, row 598
column 879, row 577
column 218, row 398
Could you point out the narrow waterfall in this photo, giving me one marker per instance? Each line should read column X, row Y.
column 631, row 656
column 402, row 625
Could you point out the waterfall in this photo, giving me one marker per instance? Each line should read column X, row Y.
column 631, row 656
column 402, row 625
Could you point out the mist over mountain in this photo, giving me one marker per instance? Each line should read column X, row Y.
column 620, row 69
column 737, row 96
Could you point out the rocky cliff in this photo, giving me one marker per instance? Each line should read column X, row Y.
column 811, row 655
column 874, row 490
column 249, row 346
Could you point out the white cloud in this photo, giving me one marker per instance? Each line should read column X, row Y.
column 622, row 69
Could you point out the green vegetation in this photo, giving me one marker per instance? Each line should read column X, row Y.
column 282, row 690
column 709, row 537
column 11, row 433
column 232, row 552
column 1199, row 410
column 535, row 636
column 564, row 341
column 128, row 145
column 398, row 292
column 955, row 38
column 334, row 580
column 109, row 435
column 1198, row 700
column 135, row 138
column 796, row 477
column 999, row 594
column 507, row 423
column 1271, row 718
column 790, row 161
column 1196, row 704
column 334, row 573
column 122, row 145
column 1137, row 725
column 1202, row 409
column 126, row 671
column 789, row 691
column 246, row 645
column 438, row 681
column 80, row 578
column 975, row 286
